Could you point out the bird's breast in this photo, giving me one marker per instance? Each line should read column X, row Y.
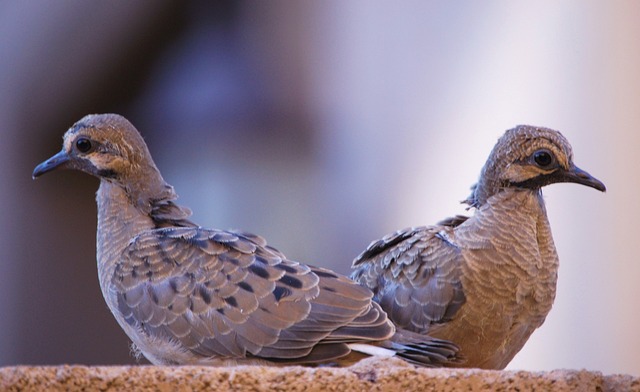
column 509, row 276
column 508, row 248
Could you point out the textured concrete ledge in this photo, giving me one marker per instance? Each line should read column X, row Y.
column 368, row 375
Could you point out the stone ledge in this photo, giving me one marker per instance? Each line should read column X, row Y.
column 372, row 374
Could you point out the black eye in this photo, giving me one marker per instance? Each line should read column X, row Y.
column 543, row 158
column 83, row 144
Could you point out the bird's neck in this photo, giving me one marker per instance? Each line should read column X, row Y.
column 482, row 191
column 118, row 214
column 521, row 216
column 129, row 210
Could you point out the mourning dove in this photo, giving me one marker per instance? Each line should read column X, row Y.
column 189, row 295
column 487, row 281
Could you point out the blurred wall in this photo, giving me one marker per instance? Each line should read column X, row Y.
column 321, row 126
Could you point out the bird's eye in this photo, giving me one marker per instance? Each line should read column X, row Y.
column 543, row 158
column 84, row 145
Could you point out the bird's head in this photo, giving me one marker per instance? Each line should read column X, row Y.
column 105, row 145
column 529, row 157
column 109, row 147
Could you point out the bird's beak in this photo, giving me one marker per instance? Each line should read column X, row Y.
column 579, row 176
column 61, row 160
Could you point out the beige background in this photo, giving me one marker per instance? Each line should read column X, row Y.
column 321, row 126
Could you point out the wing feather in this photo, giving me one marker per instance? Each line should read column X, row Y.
column 415, row 275
column 227, row 294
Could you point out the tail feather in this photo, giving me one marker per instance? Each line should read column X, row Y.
column 424, row 350
column 414, row 348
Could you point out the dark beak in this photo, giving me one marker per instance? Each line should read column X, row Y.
column 59, row 160
column 579, row 176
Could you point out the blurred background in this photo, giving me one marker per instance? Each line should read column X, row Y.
column 321, row 126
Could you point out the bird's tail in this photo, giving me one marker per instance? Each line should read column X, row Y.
column 421, row 350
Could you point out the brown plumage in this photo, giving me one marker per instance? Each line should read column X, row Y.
column 189, row 295
column 485, row 282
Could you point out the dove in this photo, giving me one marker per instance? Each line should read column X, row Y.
column 185, row 294
column 486, row 281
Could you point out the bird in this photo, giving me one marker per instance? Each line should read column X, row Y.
column 188, row 295
column 488, row 280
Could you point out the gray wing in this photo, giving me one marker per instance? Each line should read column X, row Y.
column 415, row 275
column 229, row 295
